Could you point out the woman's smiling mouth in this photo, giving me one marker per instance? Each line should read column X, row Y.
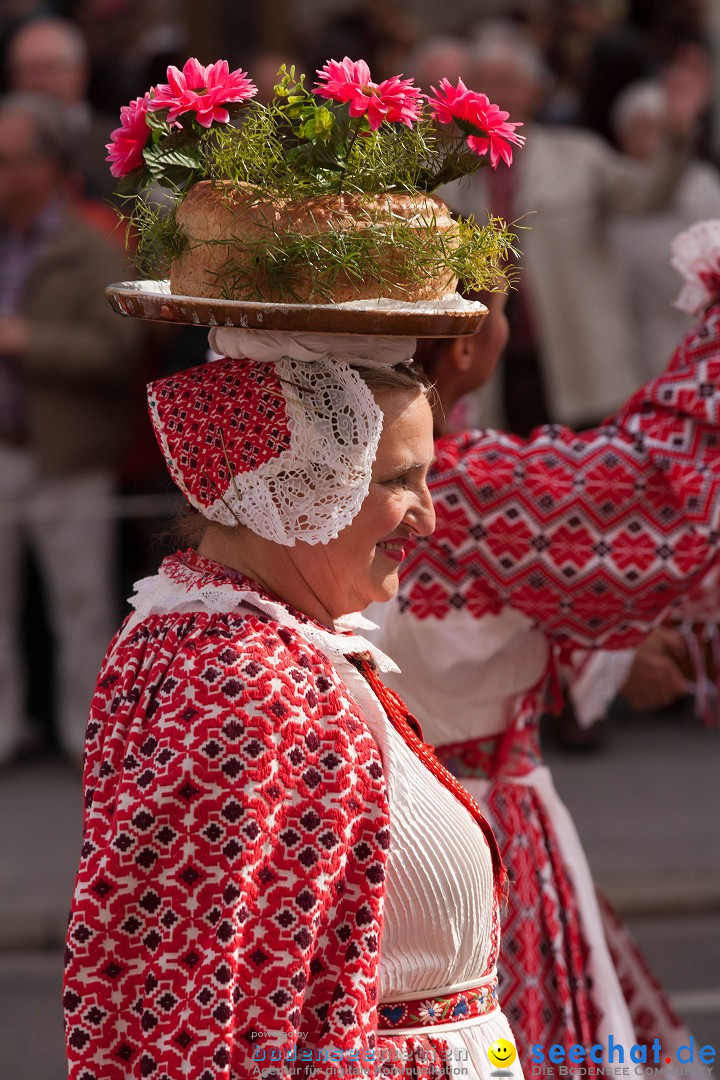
column 393, row 549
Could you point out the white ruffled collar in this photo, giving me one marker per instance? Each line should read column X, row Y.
column 188, row 581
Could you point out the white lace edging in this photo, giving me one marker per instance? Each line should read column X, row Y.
column 159, row 595
column 696, row 256
column 314, row 489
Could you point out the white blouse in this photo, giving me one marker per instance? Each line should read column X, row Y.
column 439, row 898
column 484, row 664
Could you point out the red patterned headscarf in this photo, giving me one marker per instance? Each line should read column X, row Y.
column 285, row 448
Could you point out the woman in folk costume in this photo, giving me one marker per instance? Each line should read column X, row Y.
column 252, row 858
column 257, row 894
column 543, row 546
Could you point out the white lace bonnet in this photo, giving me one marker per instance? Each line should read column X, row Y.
column 284, row 442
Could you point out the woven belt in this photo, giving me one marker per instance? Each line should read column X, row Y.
column 515, row 753
column 434, row 1010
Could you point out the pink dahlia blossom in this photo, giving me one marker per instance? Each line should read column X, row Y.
column 484, row 124
column 396, row 100
column 129, row 140
column 204, row 91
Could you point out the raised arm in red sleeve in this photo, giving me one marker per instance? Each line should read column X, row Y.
column 592, row 535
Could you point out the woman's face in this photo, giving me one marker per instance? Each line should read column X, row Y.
column 361, row 565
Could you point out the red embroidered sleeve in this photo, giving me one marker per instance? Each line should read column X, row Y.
column 592, row 535
column 227, row 910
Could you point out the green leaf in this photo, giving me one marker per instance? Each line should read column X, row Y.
column 179, row 179
column 324, row 124
column 315, row 156
column 318, row 128
column 288, row 87
column 157, row 121
column 160, row 156
column 133, row 182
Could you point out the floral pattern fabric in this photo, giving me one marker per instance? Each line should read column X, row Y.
column 440, row 1009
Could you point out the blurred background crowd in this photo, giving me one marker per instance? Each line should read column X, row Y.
column 623, row 129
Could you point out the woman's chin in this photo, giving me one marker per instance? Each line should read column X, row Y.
column 379, row 589
column 387, row 588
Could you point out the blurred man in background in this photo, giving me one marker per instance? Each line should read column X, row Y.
column 641, row 242
column 568, row 360
column 65, row 363
column 49, row 56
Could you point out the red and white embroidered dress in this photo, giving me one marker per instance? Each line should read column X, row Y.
column 262, row 853
column 543, row 546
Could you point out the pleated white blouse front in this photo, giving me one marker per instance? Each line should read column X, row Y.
column 438, row 934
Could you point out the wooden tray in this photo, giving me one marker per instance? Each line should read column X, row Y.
column 153, row 300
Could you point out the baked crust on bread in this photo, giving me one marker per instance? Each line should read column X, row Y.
column 229, row 227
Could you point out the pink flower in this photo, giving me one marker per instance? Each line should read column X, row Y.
column 395, row 100
column 484, row 124
column 202, row 90
column 129, row 140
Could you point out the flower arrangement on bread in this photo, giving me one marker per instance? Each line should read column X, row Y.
column 326, row 194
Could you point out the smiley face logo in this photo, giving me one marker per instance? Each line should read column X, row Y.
column 502, row 1053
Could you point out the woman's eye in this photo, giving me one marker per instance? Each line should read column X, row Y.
column 397, row 481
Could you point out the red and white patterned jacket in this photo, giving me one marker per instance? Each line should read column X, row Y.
column 591, row 535
column 236, row 830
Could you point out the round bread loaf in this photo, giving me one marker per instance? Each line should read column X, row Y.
column 242, row 245
column 222, row 225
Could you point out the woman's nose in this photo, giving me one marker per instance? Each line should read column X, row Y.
column 423, row 513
